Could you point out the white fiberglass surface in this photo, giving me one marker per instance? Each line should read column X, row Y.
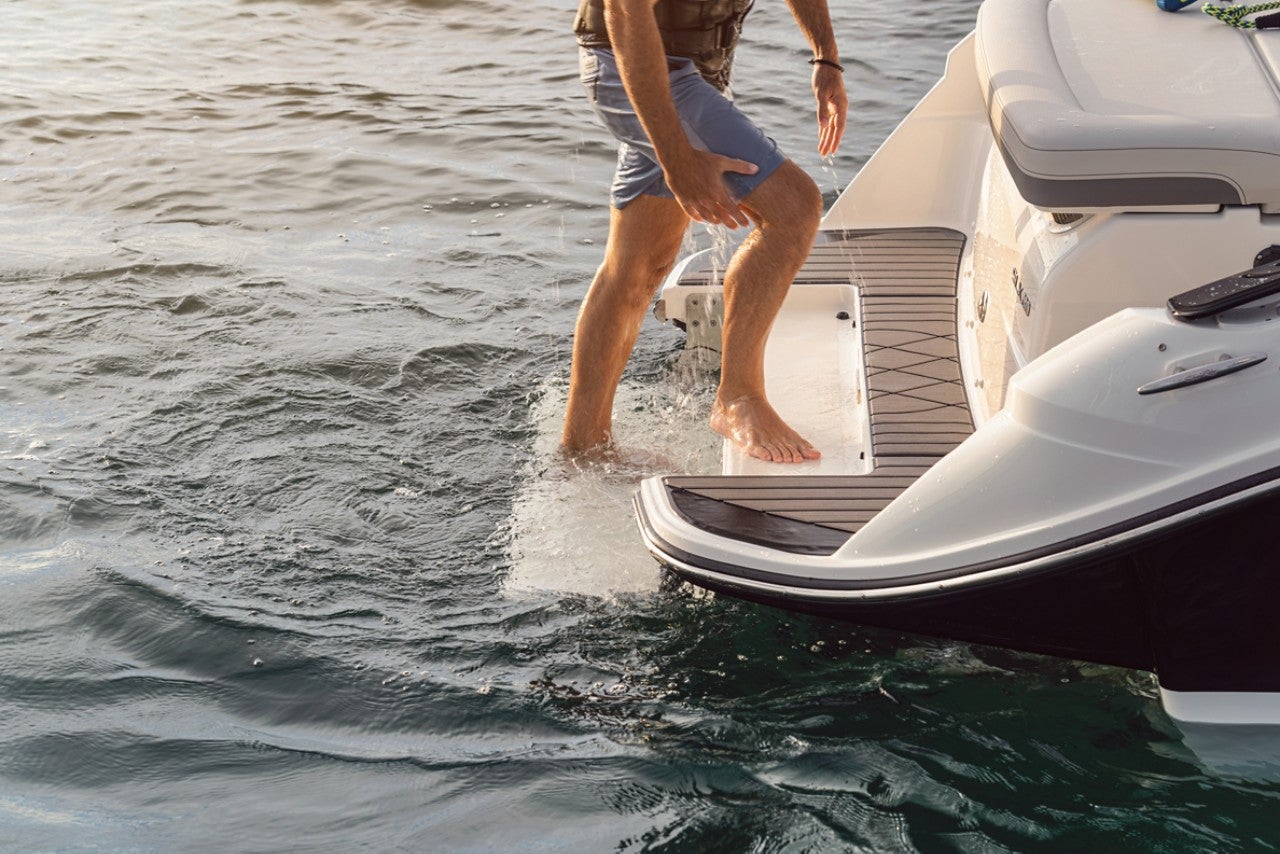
column 1120, row 60
column 1226, row 708
column 1078, row 449
column 813, row 375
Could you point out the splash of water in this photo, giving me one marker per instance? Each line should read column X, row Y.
column 572, row 528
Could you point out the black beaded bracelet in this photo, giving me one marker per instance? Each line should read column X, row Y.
column 819, row 61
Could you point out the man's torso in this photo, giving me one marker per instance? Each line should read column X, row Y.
column 705, row 31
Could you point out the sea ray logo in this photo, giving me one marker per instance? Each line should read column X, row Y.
column 1023, row 299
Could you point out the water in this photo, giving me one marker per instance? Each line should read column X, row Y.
column 286, row 556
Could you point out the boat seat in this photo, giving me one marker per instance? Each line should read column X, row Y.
column 1116, row 104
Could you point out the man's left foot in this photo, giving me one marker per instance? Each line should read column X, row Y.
column 753, row 425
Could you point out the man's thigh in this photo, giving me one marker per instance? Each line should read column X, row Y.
column 711, row 121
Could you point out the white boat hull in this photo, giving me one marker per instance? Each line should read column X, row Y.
column 1026, row 442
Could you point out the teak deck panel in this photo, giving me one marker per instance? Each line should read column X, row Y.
column 915, row 394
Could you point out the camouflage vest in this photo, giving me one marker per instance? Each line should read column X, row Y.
column 705, row 31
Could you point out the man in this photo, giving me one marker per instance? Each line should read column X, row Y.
column 656, row 71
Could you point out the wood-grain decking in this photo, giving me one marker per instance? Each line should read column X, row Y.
column 919, row 413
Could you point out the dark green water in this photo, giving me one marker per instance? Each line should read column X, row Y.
column 286, row 559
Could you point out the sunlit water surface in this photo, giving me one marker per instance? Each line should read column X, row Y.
column 287, row 558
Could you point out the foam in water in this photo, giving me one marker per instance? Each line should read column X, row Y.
column 572, row 526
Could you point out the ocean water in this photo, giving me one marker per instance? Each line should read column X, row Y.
column 287, row 558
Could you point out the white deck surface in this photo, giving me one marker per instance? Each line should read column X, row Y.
column 814, row 377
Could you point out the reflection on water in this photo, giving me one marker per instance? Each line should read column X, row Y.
column 1235, row 752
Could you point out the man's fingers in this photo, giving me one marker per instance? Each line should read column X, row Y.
column 742, row 167
column 831, row 123
column 733, row 218
column 726, row 214
column 705, row 197
column 718, row 210
column 829, row 138
column 734, row 215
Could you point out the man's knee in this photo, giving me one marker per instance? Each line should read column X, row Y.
column 639, row 261
column 803, row 200
column 788, row 198
column 636, row 275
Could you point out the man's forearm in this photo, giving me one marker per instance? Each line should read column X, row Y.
column 814, row 19
column 642, row 64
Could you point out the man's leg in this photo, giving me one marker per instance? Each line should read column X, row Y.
column 644, row 238
column 786, row 209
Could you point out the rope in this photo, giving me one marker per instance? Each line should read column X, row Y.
column 1234, row 16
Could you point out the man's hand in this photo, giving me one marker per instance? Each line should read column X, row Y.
column 833, row 106
column 814, row 19
column 698, row 185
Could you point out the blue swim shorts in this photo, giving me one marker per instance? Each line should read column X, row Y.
column 710, row 119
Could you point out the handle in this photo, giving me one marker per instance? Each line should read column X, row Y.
column 1204, row 373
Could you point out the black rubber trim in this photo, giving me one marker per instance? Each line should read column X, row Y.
column 756, row 526
column 1227, row 293
column 810, row 583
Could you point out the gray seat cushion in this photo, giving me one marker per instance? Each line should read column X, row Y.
column 1113, row 103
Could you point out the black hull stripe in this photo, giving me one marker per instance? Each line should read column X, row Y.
column 1084, row 540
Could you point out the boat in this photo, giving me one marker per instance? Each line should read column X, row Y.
column 1037, row 340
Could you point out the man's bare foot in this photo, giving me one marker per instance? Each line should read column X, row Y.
column 753, row 425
